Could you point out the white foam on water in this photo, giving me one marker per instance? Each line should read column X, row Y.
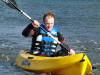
column 98, row 48
column 98, row 64
column 93, row 41
column 3, row 44
column 78, row 41
column 5, row 57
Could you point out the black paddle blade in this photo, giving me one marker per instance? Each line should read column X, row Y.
column 10, row 3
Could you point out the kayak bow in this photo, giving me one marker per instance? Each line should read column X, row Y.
column 78, row 64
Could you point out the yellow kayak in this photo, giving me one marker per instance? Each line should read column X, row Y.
column 78, row 64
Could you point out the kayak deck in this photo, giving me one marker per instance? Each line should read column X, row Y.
column 78, row 64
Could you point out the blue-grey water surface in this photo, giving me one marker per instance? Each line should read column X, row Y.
column 77, row 20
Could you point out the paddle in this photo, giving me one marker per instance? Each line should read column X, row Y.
column 12, row 4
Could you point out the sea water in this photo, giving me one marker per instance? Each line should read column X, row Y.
column 77, row 20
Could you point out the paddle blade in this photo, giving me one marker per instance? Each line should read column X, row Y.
column 10, row 3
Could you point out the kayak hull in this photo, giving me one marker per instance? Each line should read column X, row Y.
column 78, row 64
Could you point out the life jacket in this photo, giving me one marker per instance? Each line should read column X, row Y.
column 44, row 44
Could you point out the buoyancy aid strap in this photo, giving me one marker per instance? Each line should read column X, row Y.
column 45, row 47
column 46, row 43
column 43, row 34
column 48, row 51
column 45, row 51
